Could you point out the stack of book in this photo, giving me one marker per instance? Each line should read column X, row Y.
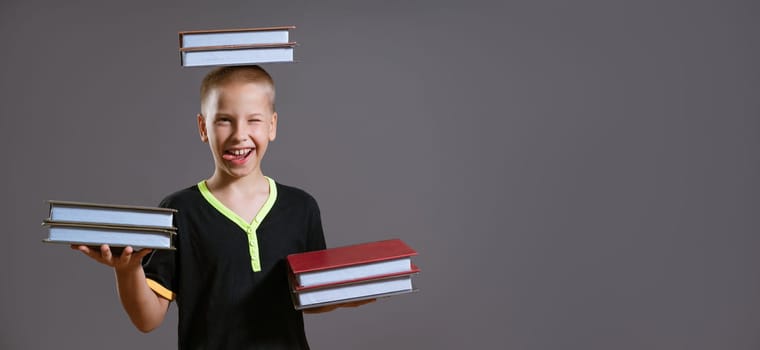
column 118, row 226
column 351, row 273
column 235, row 46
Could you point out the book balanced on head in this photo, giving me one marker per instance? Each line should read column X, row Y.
column 95, row 224
column 236, row 46
column 351, row 273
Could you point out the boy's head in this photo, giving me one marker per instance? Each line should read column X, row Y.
column 237, row 118
column 235, row 74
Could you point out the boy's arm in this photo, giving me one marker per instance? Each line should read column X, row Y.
column 145, row 308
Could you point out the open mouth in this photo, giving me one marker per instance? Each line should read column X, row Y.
column 237, row 155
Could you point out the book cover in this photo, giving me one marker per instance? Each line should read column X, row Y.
column 356, row 254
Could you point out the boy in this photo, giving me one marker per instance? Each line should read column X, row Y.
column 228, row 274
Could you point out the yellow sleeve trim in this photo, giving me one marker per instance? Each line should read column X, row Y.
column 161, row 290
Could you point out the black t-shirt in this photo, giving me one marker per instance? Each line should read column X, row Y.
column 229, row 277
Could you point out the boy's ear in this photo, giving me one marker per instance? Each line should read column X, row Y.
column 273, row 127
column 202, row 128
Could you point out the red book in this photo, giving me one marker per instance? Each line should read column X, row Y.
column 350, row 263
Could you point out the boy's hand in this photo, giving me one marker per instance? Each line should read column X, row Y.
column 328, row 308
column 128, row 260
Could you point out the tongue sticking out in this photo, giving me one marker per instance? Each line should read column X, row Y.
column 237, row 156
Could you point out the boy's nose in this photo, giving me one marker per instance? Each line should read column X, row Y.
column 241, row 135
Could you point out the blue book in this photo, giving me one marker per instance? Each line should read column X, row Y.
column 111, row 214
column 114, row 236
column 236, row 46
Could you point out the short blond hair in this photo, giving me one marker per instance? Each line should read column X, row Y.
column 239, row 74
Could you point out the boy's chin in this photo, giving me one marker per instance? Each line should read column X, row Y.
column 241, row 172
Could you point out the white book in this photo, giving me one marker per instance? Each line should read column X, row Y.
column 110, row 214
column 236, row 55
column 354, row 272
column 353, row 291
column 94, row 235
column 228, row 37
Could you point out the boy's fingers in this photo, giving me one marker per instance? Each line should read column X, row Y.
column 81, row 248
column 126, row 254
column 92, row 253
column 105, row 252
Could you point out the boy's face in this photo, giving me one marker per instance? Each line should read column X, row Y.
column 238, row 122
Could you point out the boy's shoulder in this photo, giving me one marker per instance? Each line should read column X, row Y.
column 292, row 191
column 186, row 196
column 291, row 195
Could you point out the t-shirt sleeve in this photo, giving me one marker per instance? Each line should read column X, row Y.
column 159, row 272
column 315, row 239
column 160, row 266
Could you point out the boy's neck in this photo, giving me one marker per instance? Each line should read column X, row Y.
column 250, row 185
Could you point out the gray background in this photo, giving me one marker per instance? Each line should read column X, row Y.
column 574, row 174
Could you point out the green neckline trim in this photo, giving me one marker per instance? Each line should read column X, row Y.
column 249, row 228
column 234, row 217
column 268, row 204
